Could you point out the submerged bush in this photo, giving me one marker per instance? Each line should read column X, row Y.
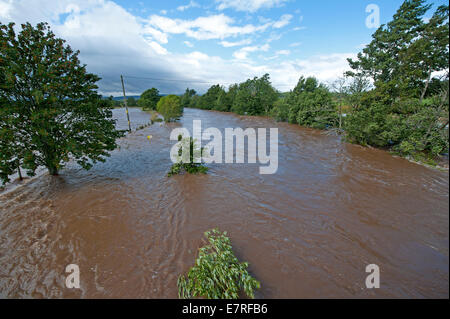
column 187, row 163
column 170, row 108
column 217, row 274
column 407, row 128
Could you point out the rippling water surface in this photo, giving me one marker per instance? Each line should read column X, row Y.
column 307, row 231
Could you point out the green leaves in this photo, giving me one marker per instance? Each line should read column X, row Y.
column 254, row 97
column 311, row 104
column 188, row 165
column 218, row 274
column 401, row 60
column 50, row 111
column 405, row 52
column 149, row 99
column 170, row 107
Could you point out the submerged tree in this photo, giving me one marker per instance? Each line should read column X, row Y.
column 170, row 108
column 50, row 111
column 217, row 274
column 189, row 157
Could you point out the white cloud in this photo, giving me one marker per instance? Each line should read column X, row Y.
column 248, row 5
column 218, row 26
column 228, row 44
column 163, row 12
column 204, row 28
column 5, row 7
column 135, row 46
column 156, row 34
column 283, row 52
column 284, row 20
column 191, row 4
column 189, row 44
column 157, row 48
column 242, row 54
column 295, row 44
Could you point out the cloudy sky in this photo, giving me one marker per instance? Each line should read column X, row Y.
column 172, row 45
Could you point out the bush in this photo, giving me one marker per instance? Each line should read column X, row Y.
column 170, row 108
column 188, row 165
column 218, row 274
column 406, row 127
column 280, row 110
column 367, row 125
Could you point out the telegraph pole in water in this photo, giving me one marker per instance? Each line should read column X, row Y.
column 125, row 101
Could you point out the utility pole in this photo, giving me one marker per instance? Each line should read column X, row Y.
column 125, row 102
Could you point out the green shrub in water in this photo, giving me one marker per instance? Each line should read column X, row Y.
column 188, row 165
column 217, row 274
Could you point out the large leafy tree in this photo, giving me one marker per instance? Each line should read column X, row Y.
column 149, row 99
column 255, row 96
column 311, row 104
column 50, row 111
column 209, row 99
column 401, row 60
column 404, row 53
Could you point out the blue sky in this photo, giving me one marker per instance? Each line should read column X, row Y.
column 192, row 42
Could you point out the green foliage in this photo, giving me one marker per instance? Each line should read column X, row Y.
column 188, row 163
column 149, row 99
column 170, row 108
column 131, row 101
column 209, row 99
column 280, row 110
column 255, row 97
column 217, row 274
column 223, row 102
column 311, row 104
column 407, row 127
column 407, row 111
column 50, row 110
column 405, row 52
column 187, row 97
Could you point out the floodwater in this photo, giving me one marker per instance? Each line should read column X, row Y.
column 307, row 231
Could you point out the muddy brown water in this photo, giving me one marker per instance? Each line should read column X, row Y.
column 307, row 231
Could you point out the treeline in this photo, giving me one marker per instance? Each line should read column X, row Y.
column 394, row 97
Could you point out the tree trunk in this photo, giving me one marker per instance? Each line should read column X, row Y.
column 20, row 173
column 426, row 87
column 52, row 170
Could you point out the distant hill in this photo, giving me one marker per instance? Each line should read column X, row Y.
column 120, row 98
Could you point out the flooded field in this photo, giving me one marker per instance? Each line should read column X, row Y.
column 307, row 231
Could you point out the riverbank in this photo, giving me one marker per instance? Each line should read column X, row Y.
column 440, row 163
